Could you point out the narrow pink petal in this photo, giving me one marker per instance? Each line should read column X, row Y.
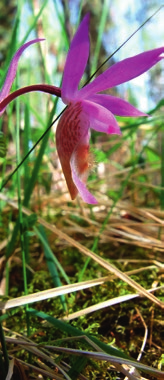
column 76, row 61
column 100, row 118
column 122, row 72
column 116, row 105
column 83, row 191
column 13, row 67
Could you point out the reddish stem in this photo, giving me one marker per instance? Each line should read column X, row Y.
column 35, row 87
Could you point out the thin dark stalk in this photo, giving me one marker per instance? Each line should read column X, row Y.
column 4, row 349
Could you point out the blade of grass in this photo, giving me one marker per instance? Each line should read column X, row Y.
column 39, row 158
column 34, row 22
column 63, row 29
column 32, row 181
column 51, row 257
column 51, row 262
column 12, row 48
column 101, row 28
column 20, row 215
column 72, row 331
column 26, row 141
column 78, row 364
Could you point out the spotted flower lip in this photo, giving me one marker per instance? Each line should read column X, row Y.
column 88, row 109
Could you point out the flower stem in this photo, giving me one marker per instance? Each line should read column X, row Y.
column 24, row 90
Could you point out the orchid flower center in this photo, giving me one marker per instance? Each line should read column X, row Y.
column 83, row 161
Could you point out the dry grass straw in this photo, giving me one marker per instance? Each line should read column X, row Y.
column 49, row 353
column 146, row 241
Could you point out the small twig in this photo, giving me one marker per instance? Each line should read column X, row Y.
column 151, row 326
column 145, row 335
column 133, row 369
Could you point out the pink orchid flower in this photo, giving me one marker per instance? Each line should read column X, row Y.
column 88, row 109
